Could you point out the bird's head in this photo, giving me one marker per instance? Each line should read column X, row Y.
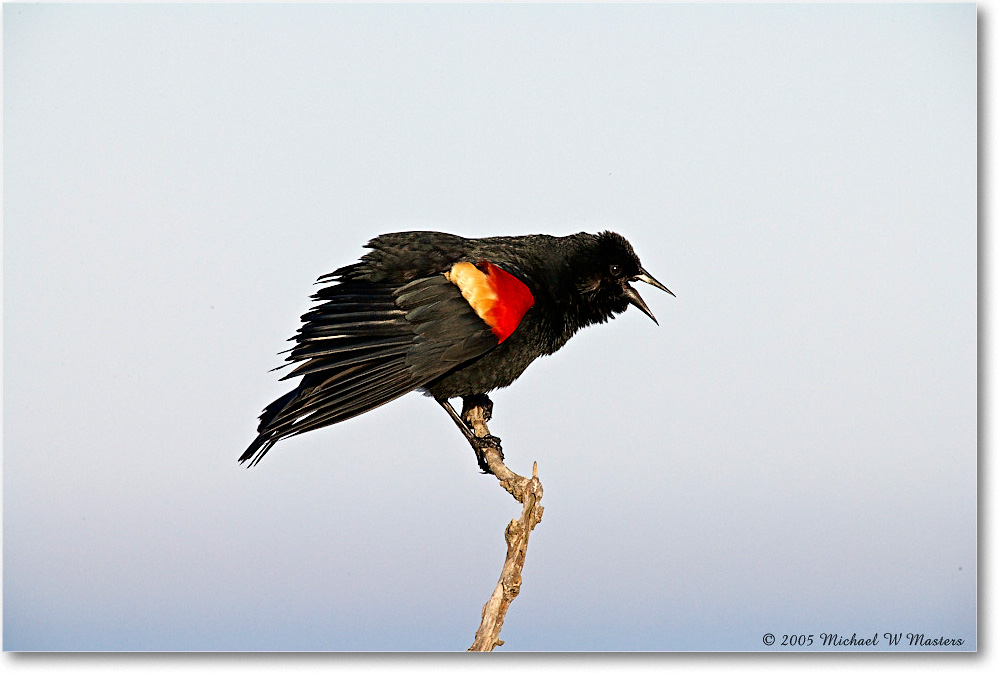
column 609, row 265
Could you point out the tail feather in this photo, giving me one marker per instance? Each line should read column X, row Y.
column 266, row 438
column 258, row 449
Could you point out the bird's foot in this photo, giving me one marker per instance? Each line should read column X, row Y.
column 480, row 444
column 481, row 401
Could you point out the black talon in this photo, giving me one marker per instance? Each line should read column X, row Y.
column 481, row 400
column 480, row 445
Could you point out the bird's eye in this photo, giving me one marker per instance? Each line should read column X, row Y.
column 616, row 270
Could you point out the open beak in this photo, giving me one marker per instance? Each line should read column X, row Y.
column 636, row 299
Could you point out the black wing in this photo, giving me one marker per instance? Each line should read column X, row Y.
column 366, row 344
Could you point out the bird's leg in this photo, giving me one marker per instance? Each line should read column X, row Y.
column 479, row 443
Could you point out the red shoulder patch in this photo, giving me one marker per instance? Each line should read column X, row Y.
column 498, row 297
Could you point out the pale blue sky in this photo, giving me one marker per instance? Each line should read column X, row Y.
column 792, row 450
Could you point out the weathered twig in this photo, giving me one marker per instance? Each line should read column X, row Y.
column 527, row 491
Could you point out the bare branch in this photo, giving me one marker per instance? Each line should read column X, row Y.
column 528, row 492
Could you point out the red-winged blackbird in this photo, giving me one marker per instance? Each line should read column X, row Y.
column 451, row 316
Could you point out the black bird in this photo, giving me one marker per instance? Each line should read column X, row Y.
column 451, row 316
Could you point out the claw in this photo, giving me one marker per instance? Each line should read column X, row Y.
column 483, row 443
column 481, row 400
column 479, row 443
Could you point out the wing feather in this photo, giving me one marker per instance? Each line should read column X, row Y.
column 366, row 344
